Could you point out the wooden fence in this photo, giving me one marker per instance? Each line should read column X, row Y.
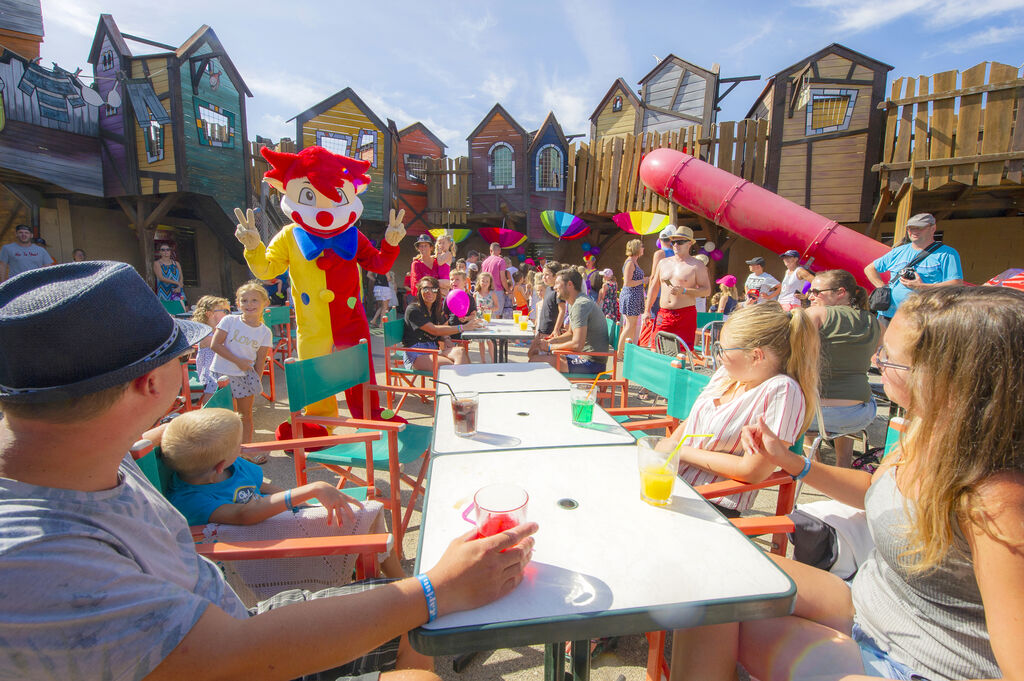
column 604, row 176
column 937, row 132
column 448, row 190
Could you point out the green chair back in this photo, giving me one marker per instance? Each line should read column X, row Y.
column 317, row 378
column 892, row 438
column 685, row 387
column 173, row 306
column 613, row 333
column 158, row 474
column 221, row 399
column 277, row 315
column 705, row 318
column 394, row 329
column 648, row 369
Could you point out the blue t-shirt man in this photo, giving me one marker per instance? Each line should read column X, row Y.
column 197, row 502
column 942, row 264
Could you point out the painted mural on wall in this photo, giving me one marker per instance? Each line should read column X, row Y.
column 53, row 98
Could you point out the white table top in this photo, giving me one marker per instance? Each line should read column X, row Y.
column 500, row 378
column 503, row 329
column 612, row 566
column 523, row 420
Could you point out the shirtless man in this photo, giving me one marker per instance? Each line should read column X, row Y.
column 683, row 279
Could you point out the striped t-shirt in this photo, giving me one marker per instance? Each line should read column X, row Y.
column 778, row 400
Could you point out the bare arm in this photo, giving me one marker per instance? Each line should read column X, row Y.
column 703, row 283
column 288, row 642
column 450, row 330
column 559, row 318
column 773, row 292
column 160, row 275
column 873, row 276
column 752, row 466
column 653, row 290
column 575, row 341
column 261, row 508
column 219, row 345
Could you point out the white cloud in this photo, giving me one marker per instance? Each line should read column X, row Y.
column 498, row 86
column 571, row 105
column 990, row 36
column 77, row 17
column 870, row 14
column 767, row 28
column 297, row 91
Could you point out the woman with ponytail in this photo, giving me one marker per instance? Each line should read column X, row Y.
column 849, row 336
column 768, row 369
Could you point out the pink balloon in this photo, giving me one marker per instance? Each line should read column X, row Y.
column 458, row 302
column 716, row 254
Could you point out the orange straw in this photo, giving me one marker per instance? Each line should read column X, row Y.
column 596, row 379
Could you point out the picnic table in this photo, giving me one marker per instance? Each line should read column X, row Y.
column 501, row 331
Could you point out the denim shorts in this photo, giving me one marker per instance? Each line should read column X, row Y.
column 410, row 356
column 878, row 663
column 581, row 364
column 849, row 419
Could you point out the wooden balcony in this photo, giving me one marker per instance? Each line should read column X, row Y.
column 954, row 143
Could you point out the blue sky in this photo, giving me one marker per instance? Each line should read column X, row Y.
column 446, row 62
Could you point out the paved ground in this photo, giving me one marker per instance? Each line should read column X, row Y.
column 625, row 663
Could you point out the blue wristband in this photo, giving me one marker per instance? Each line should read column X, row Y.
column 288, row 500
column 805, row 471
column 428, row 592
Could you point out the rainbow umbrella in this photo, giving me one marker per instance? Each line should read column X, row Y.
column 458, row 235
column 641, row 222
column 563, row 225
column 1013, row 278
column 506, row 238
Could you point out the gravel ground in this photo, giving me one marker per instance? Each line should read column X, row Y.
column 625, row 663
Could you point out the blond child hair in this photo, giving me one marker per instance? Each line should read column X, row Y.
column 254, row 286
column 196, row 441
column 201, row 313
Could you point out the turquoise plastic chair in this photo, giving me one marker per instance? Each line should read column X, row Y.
column 221, row 400
column 318, row 378
column 280, row 349
column 653, row 372
column 174, row 306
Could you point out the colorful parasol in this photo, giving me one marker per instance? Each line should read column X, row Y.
column 641, row 222
column 563, row 225
column 458, row 235
column 506, row 238
column 1013, row 277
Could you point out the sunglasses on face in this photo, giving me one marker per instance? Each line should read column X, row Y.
column 428, row 289
column 819, row 291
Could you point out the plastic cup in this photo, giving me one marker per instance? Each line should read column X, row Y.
column 658, row 464
column 582, row 399
column 487, row 316
column 464, row 411
column 516, row 315
column 523, row 322
column 499, row 507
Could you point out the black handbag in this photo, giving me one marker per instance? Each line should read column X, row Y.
column 880, row 299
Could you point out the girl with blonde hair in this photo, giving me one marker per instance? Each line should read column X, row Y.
column 444, row 254
column 631, row 298
column 209, row 310
column 940, row 596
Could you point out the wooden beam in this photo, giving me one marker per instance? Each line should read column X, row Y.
column 975, row 90
column 959, row 161
column 161, row 210
column 884, row 201
column 132, row 215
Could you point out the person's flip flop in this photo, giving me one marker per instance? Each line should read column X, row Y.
column 258, row 459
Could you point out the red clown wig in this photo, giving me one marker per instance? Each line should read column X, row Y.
column 326, row 171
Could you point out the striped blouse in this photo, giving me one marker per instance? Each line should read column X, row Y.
column 778, row 399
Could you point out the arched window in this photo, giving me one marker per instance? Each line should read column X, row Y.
column 549, row 168
column 617, row 103
column 501, row 166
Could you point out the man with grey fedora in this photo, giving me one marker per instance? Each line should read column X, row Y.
column 100, row 575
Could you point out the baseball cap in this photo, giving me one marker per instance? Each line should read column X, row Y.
column 728, row 280
column 607, row 272
column 424, row 239
column 756, row 261
column 22, row 227
column 666, row 234
column 921, row 220
column 791, row 253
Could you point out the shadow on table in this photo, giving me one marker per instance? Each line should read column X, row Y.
column 602, row 427
column 581, row 592
column 695, row 508
column 495, row 440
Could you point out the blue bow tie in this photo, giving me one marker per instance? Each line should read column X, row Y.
column 311, row 245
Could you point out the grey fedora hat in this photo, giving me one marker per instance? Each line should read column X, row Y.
column 75, row 329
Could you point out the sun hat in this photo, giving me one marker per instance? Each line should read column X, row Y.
column 728, row 280
column 756, row 261
column 921, row 220
column 682, row 232
column 791, row 253
column 425, row 239
column 63, row 330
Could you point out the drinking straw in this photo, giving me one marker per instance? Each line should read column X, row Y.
column 445, row 385
column 596, row 379
column 664, row 466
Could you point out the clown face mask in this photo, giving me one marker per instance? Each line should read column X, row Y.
column 317, row 213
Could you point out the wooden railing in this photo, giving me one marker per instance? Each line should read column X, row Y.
column 938, row 132
column 604, row 176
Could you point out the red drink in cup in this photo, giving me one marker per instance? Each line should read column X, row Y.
column 499, row 507
column 464, row 409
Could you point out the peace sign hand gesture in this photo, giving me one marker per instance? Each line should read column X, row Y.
column 396, row 227
column 246, row 231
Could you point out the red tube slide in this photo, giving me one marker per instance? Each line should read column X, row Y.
column 757, row 214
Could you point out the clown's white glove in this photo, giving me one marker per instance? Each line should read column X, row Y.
column 246, row 231
column 396, row 228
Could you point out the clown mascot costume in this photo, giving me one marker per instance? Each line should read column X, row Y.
column 321, row 249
